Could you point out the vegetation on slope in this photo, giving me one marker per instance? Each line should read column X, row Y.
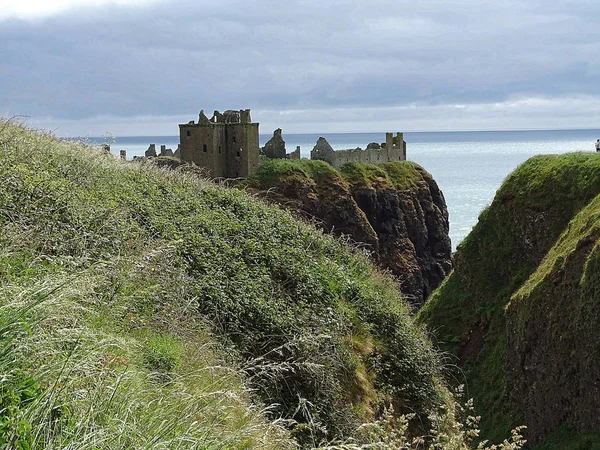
column 143, row 308
column 394, row 209
column 396, row 174
column 552, row 325
column 530, row 211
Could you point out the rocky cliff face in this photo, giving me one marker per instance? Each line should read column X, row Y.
column 408, row 213
column 522, row 306
column 396, row 210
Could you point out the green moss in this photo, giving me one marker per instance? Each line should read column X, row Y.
column 585, row 226
column 363, row 175
column 400, row 175
column 403, row 174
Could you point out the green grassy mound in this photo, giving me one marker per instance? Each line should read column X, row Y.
column 512, row 309
column 400, row 175
column 273, row 171
column 145, row 308
column 396, row 210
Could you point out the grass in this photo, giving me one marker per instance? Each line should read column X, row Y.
column 503, row 255
column 273, row 170
column 178, row 314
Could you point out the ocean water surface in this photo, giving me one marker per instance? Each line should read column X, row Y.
column 468, row 166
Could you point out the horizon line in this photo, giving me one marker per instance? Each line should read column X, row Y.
column 513, row 130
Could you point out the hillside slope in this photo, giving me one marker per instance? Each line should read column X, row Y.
column 146, row 308
column 395, row 209
column 519, row 308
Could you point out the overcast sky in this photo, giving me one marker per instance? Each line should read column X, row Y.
column 87, row 68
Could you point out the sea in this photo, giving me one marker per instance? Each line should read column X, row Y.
column 469, row 166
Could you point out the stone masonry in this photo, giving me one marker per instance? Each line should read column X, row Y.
column 275, row 147
column 226, row 145
column 393, row 149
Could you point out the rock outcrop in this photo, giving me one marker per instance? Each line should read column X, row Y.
column 275, row 147
column 396, row 210
column 408, row 213
column 521, row 308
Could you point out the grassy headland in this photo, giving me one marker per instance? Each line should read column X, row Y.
column 395, row 209
column 512, row 310
column 146, row 308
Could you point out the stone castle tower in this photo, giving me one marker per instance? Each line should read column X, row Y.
column 226, row 145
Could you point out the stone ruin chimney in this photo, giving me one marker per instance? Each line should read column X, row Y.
column 323, row 151
column 151, row 152
column 164, row 151
column 275, row 147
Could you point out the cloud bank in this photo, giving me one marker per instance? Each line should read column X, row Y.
column 306, row 65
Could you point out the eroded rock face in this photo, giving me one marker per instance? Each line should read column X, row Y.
column 329, row 204
column 412, row 228
column 275, row 147
column 405, row 227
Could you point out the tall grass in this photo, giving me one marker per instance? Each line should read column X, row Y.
column 147, row 308
column 86, row 328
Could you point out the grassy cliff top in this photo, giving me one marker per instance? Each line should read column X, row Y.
column 146, row 308
column 272, row 171
column 398, row 174
column 538, row 218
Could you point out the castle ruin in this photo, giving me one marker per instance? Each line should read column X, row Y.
column 393, row 149
column 226, row 145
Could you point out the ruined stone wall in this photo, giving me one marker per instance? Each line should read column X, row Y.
column 394, row 149
column 371, row 155
column 225, row 146
column 253, row 144
column 243, row 149
column 218, row 157
column 200, row 144
column 295, row 154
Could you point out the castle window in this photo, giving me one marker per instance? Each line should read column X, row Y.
column 188, row 133
column 234, row 139
column 204, row 148
column 219, row 149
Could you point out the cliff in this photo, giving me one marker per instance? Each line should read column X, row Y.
column 521, row 308
column 395, row 210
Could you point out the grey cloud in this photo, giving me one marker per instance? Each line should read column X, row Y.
column 166, row 60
